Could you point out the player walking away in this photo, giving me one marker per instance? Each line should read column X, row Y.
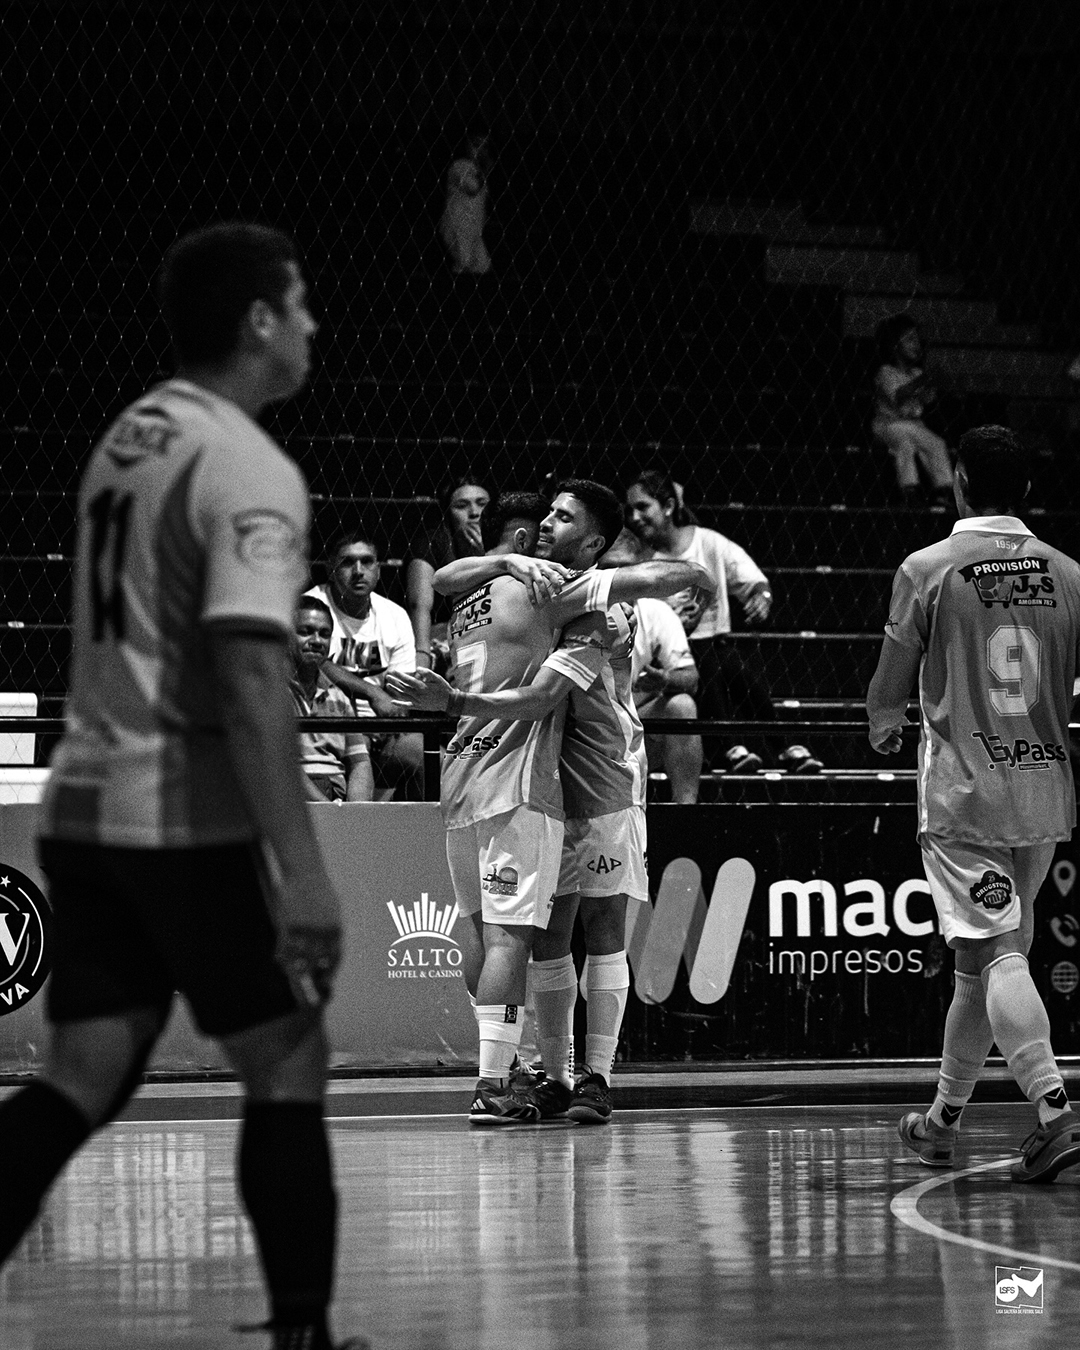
column 603, row 776
column 179, row 764
column 988, row 620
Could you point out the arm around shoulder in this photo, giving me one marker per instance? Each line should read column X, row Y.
column 658, row 579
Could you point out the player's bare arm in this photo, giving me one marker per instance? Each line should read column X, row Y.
column 658, row 680
column 260, row 729
column 541, row 578
column 887, row 697
column 428, row 692
column 657, row 579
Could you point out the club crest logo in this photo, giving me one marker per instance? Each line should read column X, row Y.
column 25, row 939
column 501, row 882
column 993, row 892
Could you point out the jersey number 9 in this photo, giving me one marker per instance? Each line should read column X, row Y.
column 1014, row 656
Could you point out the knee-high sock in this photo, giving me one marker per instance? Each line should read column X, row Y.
column 500, row 1027
column 968, row 1040
column 40, row 1129
column 286, row 1180
column 607, row 983
column 554, row 985
column 1022, row 1029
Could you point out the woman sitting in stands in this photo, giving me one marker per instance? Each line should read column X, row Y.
column 902, row 392
column 465, row 213
column 733, row 682
column 457, row 537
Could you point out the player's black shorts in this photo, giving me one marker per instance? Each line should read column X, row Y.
column 133, row 926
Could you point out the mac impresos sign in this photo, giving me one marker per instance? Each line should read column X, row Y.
column 809, row 932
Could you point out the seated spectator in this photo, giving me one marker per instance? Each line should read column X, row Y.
column 457, row 537
column 731, row 684
column 665, row 680
column 336, row 764
column 902, row 392
column 465, row 213
column 372, row 635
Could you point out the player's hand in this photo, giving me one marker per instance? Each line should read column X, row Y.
column 308, row 917
column 887, row 740
column 652, row 680
column 757, row 607
column 423, row 692
column 543, row 580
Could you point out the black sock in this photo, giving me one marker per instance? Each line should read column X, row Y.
column 40, row 1129
column 287, row 1184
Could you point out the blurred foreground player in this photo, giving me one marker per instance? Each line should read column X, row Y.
column 602, row 768
column 988, row 620
column 178, row 777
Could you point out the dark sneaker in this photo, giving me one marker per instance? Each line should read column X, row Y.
column 552, row 1097
column 495, row 1105
column 1049, row 1149
column 797, row 759
column 591, row 1102
column 524, row 1075
column 935, row 1144
column 741, row 760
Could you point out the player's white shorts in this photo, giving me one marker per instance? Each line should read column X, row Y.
column 981, row 890
column 605, row 855
column 505, row 868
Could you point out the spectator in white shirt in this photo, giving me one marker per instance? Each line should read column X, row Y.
column 731, row 684
column 902, row 393
column 665, row 680
column 372, row 636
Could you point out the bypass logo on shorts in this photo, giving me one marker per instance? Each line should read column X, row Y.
column 25, row 923
column 994, row 891
column 1011, row 581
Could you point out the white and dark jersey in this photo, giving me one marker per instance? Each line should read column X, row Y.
column 996, row 616
column 189, row 518
column 381, row 642
column 499, row 640
column 602, row 763
column 731, row 568
column 660, row 639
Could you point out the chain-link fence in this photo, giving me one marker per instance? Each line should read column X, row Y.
column 696, row 215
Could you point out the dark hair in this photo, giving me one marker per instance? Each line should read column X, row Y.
column 510, row 506
column 347, row 541
column 211, row 278
column 313, row 602
column 997, row 467
column 889, row 332
column 601, row 503
column 663, row 488
column 446, row 492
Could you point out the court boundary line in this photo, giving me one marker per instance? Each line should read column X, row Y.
column 905, row 1207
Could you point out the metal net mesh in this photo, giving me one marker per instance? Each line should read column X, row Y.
column 696, row 213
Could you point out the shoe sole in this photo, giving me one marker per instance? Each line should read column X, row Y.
column 1068, row 1157
column 502, row 1120
column 588, row 1115
column 915, row 1146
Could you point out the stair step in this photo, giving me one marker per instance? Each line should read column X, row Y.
column 940, row 319
column 779, row 222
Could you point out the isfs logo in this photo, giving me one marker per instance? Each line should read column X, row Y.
column 25, row 939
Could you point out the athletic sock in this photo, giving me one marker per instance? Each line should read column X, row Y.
column 1051, row 1105
column 1021, row 1027
column 500, row 1027
column 968, row 1040
column 40, row 1129
column 286, row 1180
column 555, row 988
column 607, row 984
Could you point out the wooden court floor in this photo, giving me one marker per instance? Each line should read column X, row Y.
column 670, row 1230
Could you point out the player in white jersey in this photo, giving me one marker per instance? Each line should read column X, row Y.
column 988, row 622
column 602, row 767
column 180, row 761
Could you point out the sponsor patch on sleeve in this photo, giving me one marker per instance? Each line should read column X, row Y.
column 266, row 540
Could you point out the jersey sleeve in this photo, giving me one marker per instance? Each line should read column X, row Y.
column 582, row 650
column 741, row 570
column 907, row 622
column 250, row 512
column 586, row 593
